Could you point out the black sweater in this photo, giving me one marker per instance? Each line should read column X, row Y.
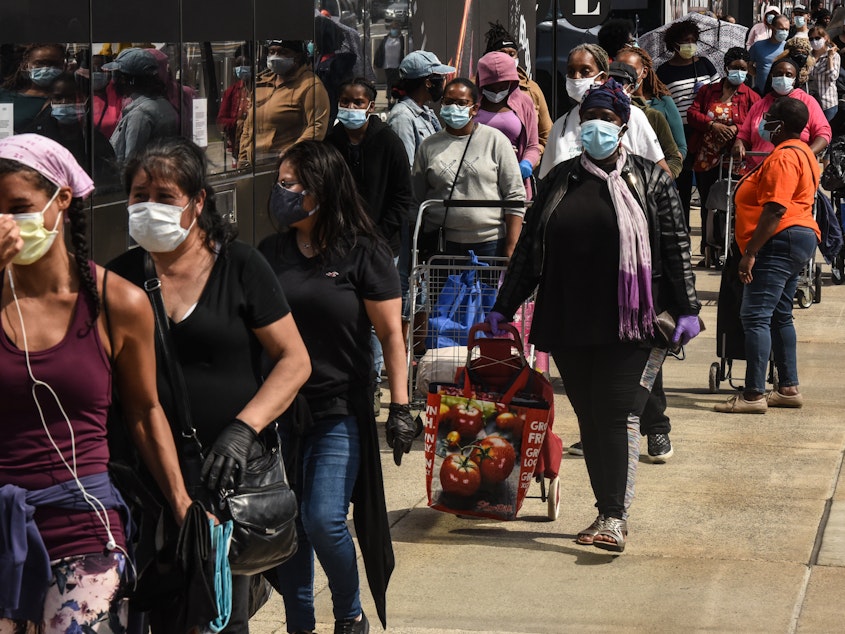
column 379, row 165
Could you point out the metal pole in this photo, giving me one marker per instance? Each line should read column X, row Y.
column 554, row 58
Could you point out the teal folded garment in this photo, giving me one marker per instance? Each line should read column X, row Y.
column 221, row 537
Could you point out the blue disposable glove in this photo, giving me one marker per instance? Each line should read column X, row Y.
column 526, row 169
column 494, row 319
column 687, row 327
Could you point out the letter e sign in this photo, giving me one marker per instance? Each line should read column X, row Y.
column 585, row 14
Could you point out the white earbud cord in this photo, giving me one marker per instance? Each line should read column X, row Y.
column 95, row 504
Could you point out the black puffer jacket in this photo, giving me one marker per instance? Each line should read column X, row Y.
column 673, row 281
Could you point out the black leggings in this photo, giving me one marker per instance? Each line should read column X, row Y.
column 608, row 386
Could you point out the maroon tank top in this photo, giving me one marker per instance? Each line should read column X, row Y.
column 78, row 370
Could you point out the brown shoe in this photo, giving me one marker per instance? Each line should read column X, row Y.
column 738, row 405
column 776, row 399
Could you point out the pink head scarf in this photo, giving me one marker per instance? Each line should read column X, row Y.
column 48, row 158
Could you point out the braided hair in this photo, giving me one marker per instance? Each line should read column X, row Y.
column 78, row 228
column 498, row 38
column 363, row 82
column 651, row 82
column 598, row 53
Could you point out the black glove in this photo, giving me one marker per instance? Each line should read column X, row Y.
column 400, row 430
column 230, row 450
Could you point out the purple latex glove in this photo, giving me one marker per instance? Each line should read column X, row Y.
column 525, row 168
column 686, row 329
column 494, row 319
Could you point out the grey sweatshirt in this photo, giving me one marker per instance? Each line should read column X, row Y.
column 489, row 172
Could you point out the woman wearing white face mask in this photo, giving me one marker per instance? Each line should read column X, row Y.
column 787, row 73
column 603, row 348
column 63, row 332
column 225, row 310
column 825, row 71
column 509, row 110
column 588, row 65
column 291, row 104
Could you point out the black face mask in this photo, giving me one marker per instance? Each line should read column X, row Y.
column 286, row 206
column 436, row 90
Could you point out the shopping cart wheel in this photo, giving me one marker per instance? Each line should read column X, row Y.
column 817, row 284
column 714, row 377
column 553, row 499
column 804, row 299
column 837, row 269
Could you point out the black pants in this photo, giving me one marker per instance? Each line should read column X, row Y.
column 608, row 387
column 704, row 181
column 654, row 419
column 685, row 178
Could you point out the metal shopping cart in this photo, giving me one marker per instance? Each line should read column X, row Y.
column 730, row 337
column 448, row 295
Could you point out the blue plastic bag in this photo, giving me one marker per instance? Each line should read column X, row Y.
column 463, row 302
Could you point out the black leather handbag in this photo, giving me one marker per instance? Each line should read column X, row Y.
column 262, row 507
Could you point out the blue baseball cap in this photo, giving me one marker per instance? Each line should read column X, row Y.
column 134, row 61
column 422, row 64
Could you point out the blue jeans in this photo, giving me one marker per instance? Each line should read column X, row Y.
column 493, row 248
column 829, row 113
column 766, row 310
column 330, row 461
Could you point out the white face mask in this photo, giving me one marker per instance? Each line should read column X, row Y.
column 496, row 97
column 576, row 88
column 818, row 43
column 156, row 226
column 37, row 239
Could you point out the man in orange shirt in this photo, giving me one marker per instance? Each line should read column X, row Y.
column 776, row 234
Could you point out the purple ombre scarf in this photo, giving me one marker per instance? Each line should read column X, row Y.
column 636, row 306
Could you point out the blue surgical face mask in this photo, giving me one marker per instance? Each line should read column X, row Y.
column 243, row 72
column 800, row 21
column 783, row 85
column 44, row 76
column 455, row 116
column 765, row 134
column 66, row 112
column 394, row 32
column 600, row 138
column 352, row 118
column 737, row 77
column 781, row 35
column 770, row 18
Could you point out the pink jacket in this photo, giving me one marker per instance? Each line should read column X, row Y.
column 816, row 127
column 494, row 67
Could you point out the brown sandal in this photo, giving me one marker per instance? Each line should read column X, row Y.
column 585, row 537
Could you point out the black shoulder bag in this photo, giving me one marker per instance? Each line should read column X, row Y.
column 433, row 241
column 262, row 507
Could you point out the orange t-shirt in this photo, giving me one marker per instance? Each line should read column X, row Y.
column 789, row 177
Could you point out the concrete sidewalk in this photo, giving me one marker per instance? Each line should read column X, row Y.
column 743, row 530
